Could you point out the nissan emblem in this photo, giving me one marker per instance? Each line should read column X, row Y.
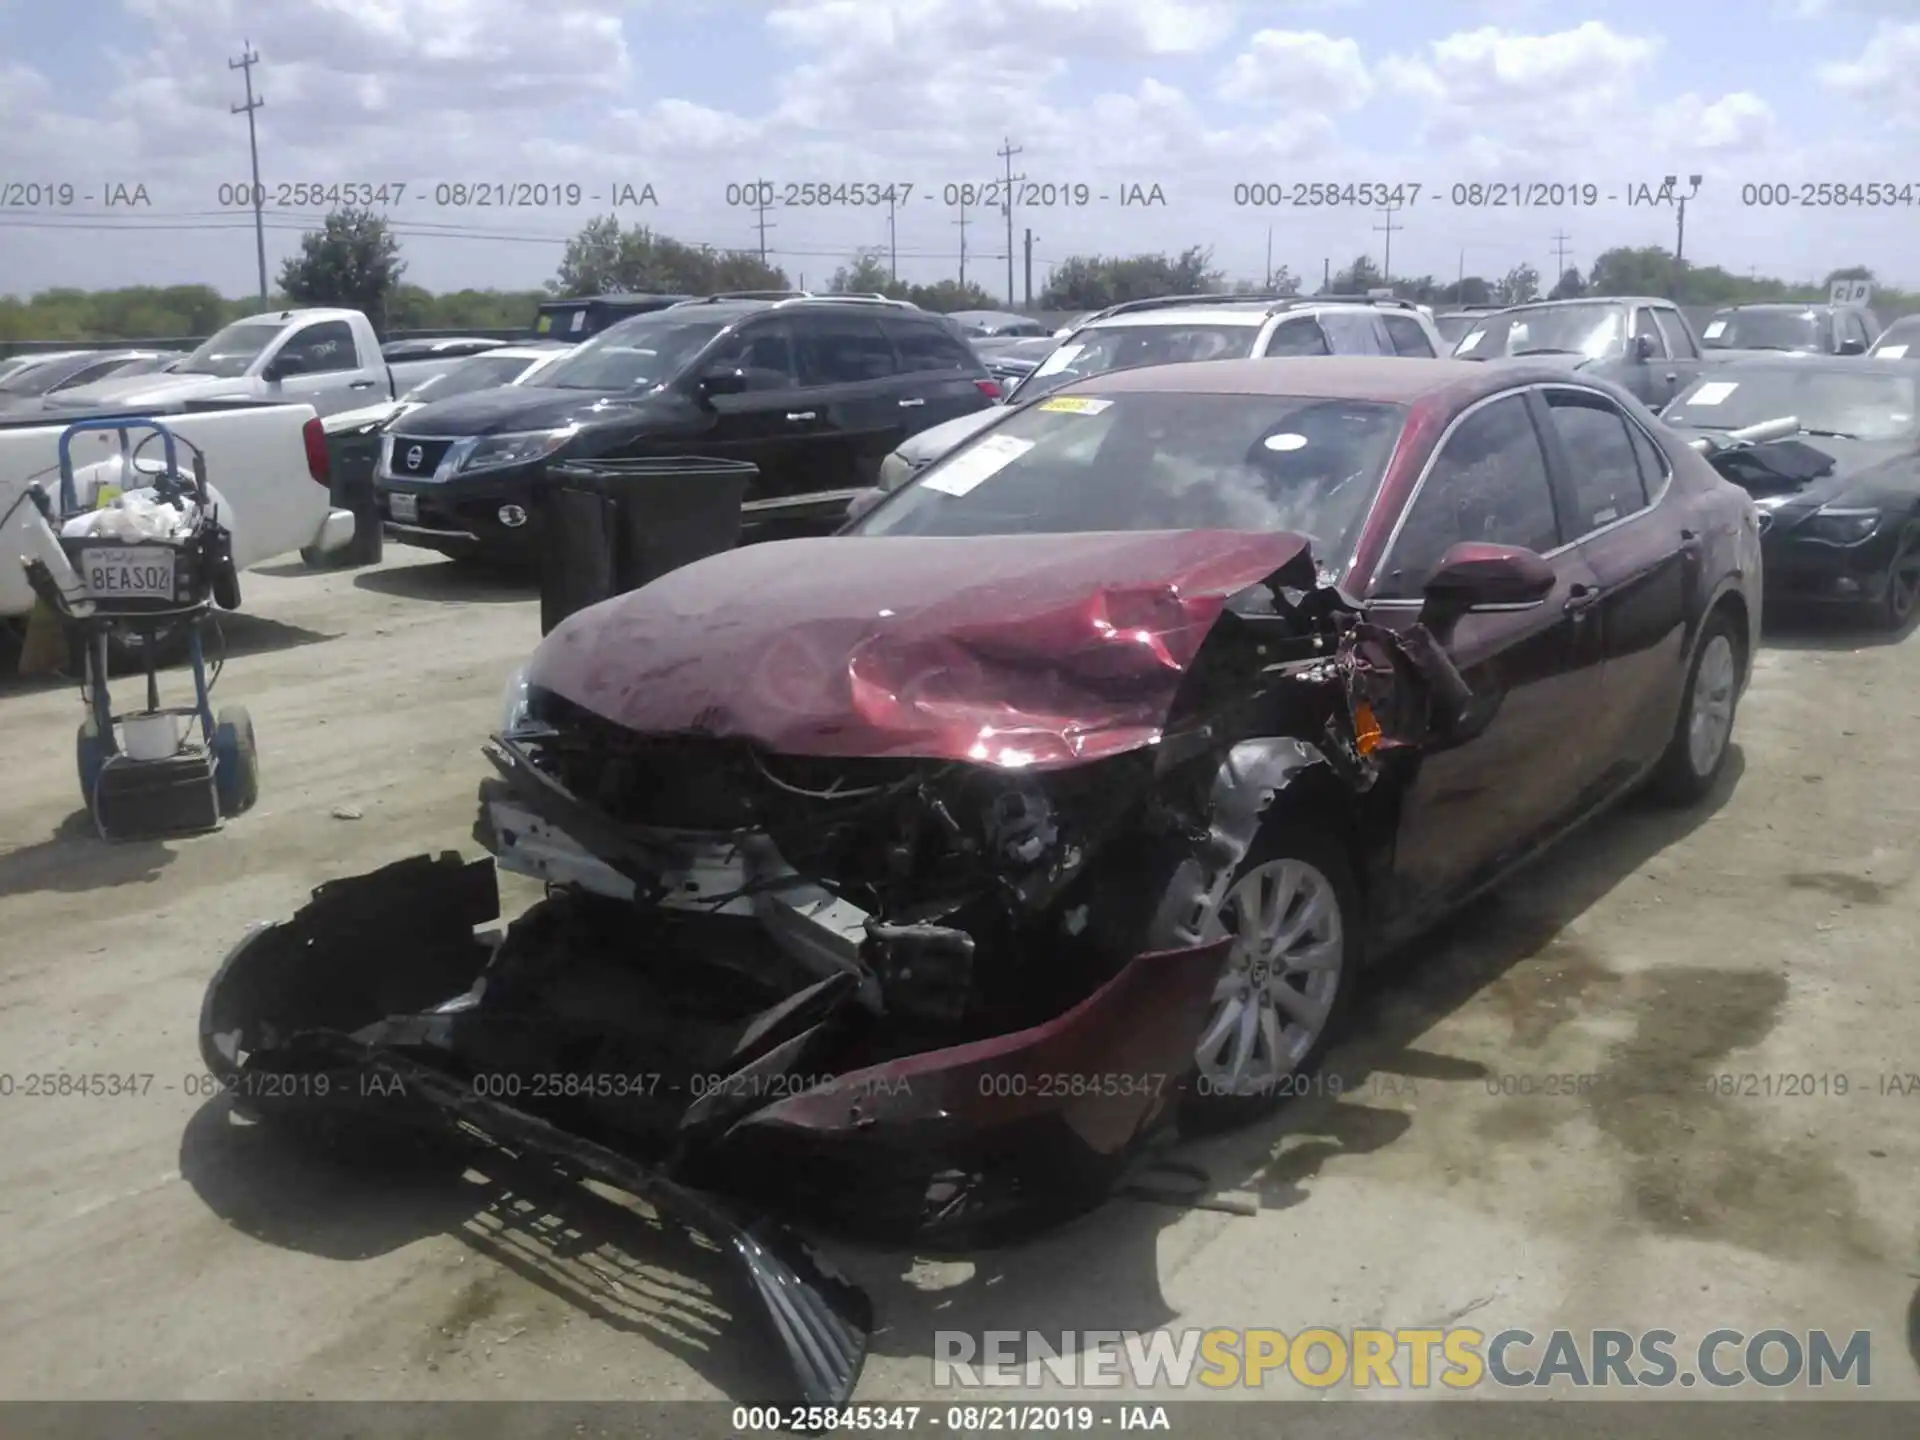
column 414, row 457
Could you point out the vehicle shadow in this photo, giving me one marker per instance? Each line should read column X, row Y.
column 610, row 1260
column 1816, row 630
column 74, row 858
column 238, row 633
column 450, row 580
column 1101, row 1271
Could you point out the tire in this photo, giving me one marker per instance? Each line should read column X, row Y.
column 1286, row 852
column 237, row 778
column 1687, row 772
column 1903, row 581
column 89, row 753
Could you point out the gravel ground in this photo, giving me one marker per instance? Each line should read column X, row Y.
column 154, row 1248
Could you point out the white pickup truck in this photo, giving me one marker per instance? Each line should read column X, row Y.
column 329, row 359
column 266, row 464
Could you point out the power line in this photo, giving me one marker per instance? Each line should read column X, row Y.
column 249, row 58
column 1386, row 263
column 1006, row 152
column 1560, row 239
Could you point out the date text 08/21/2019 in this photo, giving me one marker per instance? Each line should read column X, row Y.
column 440, row 194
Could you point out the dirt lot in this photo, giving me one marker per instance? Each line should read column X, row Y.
column 153, row 1248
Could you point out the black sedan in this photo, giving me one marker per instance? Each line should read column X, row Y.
column 1844, row 526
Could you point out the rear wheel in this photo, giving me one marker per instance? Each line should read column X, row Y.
column 1293, row 915
column 1697, row 752
column 1903, row 580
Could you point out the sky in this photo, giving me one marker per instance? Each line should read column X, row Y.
column 123, row 162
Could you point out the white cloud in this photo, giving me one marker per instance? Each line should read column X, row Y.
column 1285, row 69
column 1884, row 69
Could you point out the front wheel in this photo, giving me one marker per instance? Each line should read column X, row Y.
column 1293, row 914
column 1697, row 753
column 1903, row 580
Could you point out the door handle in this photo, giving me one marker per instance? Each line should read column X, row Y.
column 1581, row 598
column 361, row 385
column 1690, row 542
column 908, row 404
column 798, row 415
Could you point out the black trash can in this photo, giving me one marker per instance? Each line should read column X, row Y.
column 610, row 526
column 351, row 457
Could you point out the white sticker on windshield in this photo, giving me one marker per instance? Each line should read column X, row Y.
column 1059, row 359
column 1712, row 393
column 973, row 466
column 579, row 320
column 1714, row 331
column 1286, row 442
column 1472, row 342
column 1891, row 352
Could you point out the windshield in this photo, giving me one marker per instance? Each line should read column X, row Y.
column 1596, row 331
column 1168, row 461
column 1765, row 330
column 1452, row 327
column 1899, row 341
column 636, row 354
column 37, row 379
column 1853, row 406
column 230, row 352
column 482, row 372
column 1127, row 347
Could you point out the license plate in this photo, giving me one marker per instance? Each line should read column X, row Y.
column 133, row 573
column 404, row 508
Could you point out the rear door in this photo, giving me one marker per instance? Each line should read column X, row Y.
column 851, row 387
column 1517, row 772
column 1683, row 351
column 1611, row 478
column 941, row 377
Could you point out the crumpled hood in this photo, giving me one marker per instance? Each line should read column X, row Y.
column 1017, row 650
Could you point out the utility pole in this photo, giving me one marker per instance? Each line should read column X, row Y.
column 1006, row 152
column 1460, row 280
column 1029, row 267
column 1267, row 284
column 893, row 240
column 962, row 223
column 763, row 197
column 1386, row 264
column 248, row 59
column 1560, row 239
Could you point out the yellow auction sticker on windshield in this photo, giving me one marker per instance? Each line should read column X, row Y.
column 1074, row 405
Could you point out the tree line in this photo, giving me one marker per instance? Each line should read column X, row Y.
column 354, row 260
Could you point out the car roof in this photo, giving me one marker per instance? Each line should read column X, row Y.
column 519, row 352
column 1252, row 313
column 1801, row 364
column 1797, row 305
column 1391, row 378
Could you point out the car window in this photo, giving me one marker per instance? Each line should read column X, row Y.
column 1673, row 329
column 1488, row 483
column 1857, row 327
column 1654, row 467
column 843, row 350
column 1301, row 335
column 87, row 375
column 931, row 348
column 1643, row 324
column 1606, row 480
column 1408, row 337
column 764, row 353
column 1351, row 333
column 319, row 349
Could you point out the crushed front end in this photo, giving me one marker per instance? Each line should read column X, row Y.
column 940, row 996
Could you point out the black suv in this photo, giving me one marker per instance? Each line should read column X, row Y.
column 814, row 391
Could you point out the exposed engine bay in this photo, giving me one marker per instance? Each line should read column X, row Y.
column 850, row 991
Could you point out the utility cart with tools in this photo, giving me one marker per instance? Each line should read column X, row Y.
column 145, row 565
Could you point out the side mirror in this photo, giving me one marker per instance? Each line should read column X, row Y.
column 863, row 501
column 720, row 382
column 1474, row 576
column 276, row 371
column 1852, row 345
column 1643, row 348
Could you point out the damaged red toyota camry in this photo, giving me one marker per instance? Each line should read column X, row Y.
column 902, row 881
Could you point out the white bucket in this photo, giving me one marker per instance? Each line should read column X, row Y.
column 150, row 737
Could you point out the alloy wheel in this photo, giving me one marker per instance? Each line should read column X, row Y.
column 1903, row 578
column 1710, row 721
column 1282, row 976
